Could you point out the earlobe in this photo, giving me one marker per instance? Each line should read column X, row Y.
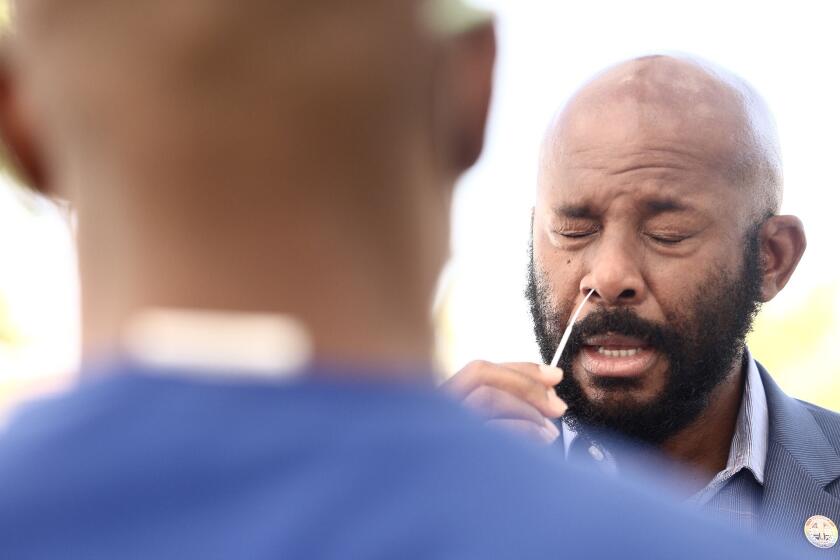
column 783, row 243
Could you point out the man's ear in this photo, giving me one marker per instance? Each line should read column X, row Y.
column 471, row 59
column 782, row 246
column 18, row 148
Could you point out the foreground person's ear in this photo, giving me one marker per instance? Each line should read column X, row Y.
column 19, row 150
column 464, row 82
column 473, row 61
column 782, row 246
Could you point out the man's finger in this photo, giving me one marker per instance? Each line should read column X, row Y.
column 545, row 374
column 524, row 386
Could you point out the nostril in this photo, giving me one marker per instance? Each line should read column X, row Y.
column 627, row 294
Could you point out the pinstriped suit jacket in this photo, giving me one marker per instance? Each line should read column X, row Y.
column 802, row 476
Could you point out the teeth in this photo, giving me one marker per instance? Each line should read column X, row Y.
column 618, row 353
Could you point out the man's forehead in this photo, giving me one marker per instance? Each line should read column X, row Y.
column 617, row 123
column 636, row 159
column 644, row 185
column 644, row 199
column 649, row 125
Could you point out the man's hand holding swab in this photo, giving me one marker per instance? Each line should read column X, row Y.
column 516, row 396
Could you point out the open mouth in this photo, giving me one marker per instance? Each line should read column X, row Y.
column 617, row 356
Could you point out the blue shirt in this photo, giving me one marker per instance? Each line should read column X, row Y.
column 140, row 465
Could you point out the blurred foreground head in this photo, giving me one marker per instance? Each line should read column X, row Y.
column 284, row 156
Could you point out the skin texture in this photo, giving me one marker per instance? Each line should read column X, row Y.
column 284, row 156
column 650, row 180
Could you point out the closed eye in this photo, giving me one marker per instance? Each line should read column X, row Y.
column 575, row 234
column 668, row 239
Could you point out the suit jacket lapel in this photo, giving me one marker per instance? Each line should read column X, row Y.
column 801, row 462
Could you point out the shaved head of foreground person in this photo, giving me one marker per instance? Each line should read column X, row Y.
column 659, row 188
column 262, row 191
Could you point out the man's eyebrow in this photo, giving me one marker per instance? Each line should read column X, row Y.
column 575, row 211
column 662, row 205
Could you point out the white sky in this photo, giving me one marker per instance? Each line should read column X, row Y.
column 788, row 50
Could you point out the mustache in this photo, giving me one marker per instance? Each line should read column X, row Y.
column 620, row 321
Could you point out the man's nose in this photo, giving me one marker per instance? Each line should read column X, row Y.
column 615, row 273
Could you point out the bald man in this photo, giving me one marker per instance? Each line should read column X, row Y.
column 262, row 192
column 659, row 192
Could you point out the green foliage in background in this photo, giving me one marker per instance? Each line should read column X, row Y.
column 8, row 334
column 801, row 346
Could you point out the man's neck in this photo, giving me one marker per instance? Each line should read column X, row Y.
column 354, row 309
column 703, row 446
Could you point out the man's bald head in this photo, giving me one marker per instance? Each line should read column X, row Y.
column 273, row 76
column 680, row 104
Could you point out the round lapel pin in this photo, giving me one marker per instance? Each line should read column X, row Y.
column 821, row 531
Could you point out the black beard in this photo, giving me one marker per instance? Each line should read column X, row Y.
column 701, row 345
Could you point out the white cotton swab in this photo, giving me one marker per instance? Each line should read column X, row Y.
column 568, row 332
